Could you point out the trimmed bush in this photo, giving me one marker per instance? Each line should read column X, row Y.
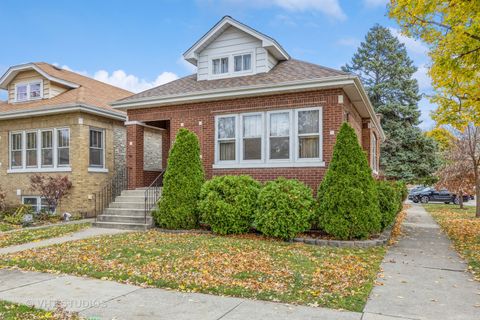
column 348, row 199
column 402, row 190
column 227, row 203
column 388, row 201
column 284, row 208
column 178, row 206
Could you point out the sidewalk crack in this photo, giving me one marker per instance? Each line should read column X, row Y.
column 229, row 311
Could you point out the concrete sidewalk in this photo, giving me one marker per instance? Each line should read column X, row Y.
column 82, row 234
column 111, row 300
column 424, row 278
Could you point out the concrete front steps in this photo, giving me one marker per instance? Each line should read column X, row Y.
column 126, row 212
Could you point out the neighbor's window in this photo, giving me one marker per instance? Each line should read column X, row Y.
column 252, row 137
column 226, row 134
column 16, row 150
column 28, row 91
column 37, row 203
column 374, row 162
column 308, row 134
column 97, row 148
column 279, row 135
column 220, row 65
column 63, row 147
column 242, row 62
column 32, row 149
column 47, row 148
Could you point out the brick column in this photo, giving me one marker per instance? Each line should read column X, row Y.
column 135, row 156
column 165, row 146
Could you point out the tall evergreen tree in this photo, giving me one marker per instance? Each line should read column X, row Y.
column 387, row 72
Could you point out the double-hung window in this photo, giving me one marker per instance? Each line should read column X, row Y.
column 374, row 162
column 40, row 150
column 28, row 91
column 220, row 65
column 242, row 62
column 97, row 148
column 286, row 138
column 226, row 138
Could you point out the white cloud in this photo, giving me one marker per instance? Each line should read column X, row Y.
column 375, row 3
column 126, row 81
column 331, row 8
column 424, row 81
column 413, row 46
column 426, row 107
column 348, row 42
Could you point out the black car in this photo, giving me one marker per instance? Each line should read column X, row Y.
column 414, row 191
column 431, row 195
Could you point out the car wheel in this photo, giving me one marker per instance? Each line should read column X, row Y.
column 424, row 199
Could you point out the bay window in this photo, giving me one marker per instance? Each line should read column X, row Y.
column 97, row 148
column 28, row 91
column 286, row 138
column 40, row 150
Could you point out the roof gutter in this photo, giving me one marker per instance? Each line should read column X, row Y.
column 63, row 109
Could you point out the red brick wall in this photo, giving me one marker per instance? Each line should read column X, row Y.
column 200, row 118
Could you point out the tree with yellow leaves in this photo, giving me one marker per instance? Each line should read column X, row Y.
column 442, row 137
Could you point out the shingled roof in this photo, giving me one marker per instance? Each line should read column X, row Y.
column 284, row 72
column 88, row 92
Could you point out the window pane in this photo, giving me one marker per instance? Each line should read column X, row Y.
column 31, row 202
column 17, row 141
column 224, row 65
column 21, row 92
column 96, row 139
column 252, row 126
column 35, row 90
column 237, row 63
column 252, row 149
column 216, row 66
column 247, row 59
column 31, row 158
column 63, row 138
column 47, row 141
column 31, row 140
column 63, row 156
column 227, row 150
column 226, row 128
column 308, row 122
column 47, row 157
column 16, row 158
column 309, row 147
column 279, row 124
column 96, row 157
column 280, row 148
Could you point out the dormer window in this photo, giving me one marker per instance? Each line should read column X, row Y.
column 220, row 65
column 28, row 91
column 242, row 62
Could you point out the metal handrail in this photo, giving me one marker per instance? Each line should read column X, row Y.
column 112, row 189
column 152, row 194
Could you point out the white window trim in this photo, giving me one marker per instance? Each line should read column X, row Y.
column 97, row 168
column 374, row 155
column 262, row 137
column 231, row 68
column 28, row 84
column 57, row 147
column 294, row 160
column 38, row 207
column 39, row 168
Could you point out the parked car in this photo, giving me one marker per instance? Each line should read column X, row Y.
column 414, row 191
column 431, row 195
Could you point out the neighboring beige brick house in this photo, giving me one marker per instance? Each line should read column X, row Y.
column 57, row 122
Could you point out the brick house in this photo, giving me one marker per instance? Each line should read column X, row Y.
column 255, row 110
column 57, row 122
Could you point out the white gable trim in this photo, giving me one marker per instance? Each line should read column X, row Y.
column 13, row 71
column 191, row 55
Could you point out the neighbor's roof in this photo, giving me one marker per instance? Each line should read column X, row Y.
column 284, row 72
column 82, row 91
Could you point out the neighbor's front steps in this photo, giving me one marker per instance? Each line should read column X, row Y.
column 126, row 212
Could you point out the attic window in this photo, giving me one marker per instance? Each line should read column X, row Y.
column 242, row 62
column 28, row 91
column 220, row 65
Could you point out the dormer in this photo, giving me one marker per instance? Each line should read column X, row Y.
column 232, row 49
column 28, row 83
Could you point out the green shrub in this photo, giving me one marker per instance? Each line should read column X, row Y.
column 388, row 201
column 284, row 208
column 227, row 203
column 402, row 190
column 178, row 206
column 348, row 200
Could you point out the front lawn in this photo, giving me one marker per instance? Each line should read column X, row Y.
column 29, row 235
column 13, row 311
column 242, row 266
column 7, row 226
column 464, row 230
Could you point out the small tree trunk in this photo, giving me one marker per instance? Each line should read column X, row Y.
column 477, row 200
column 460, row 199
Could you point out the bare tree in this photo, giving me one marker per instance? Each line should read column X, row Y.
column 52, row 189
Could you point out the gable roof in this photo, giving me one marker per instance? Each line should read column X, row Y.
column 86, row 92
column 191, row 55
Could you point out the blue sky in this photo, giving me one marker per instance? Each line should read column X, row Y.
column 138, row 44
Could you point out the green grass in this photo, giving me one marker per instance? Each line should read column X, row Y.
column 13, row 311
column 248, row 266
column 28, row 235
column 463, row 228
column 7, row 227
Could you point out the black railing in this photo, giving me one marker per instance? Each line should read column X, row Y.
column 152, row 194
column 113, row 188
